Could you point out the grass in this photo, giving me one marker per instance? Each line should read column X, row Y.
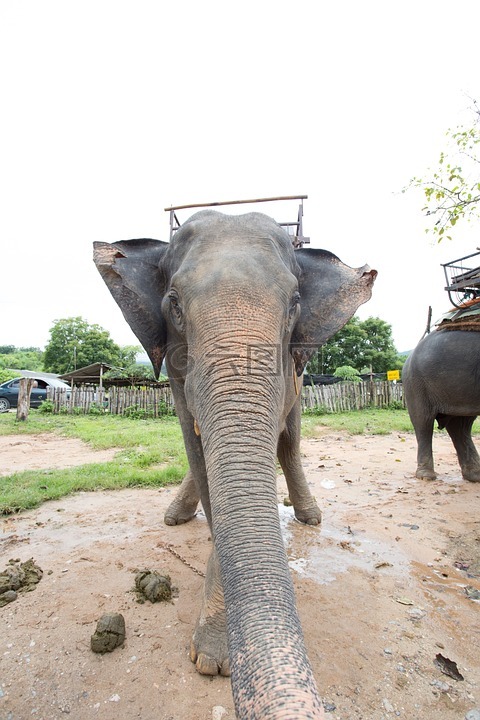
column 371, row 421
column 150, row 452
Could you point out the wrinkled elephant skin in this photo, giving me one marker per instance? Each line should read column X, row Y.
column 441, row 380
column 237, row 313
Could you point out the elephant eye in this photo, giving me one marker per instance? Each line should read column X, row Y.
column 175, row 305
column 294, row 304
column 293, row 312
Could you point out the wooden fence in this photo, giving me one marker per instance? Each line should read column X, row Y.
column 156, row 401
column 137, row 401
column 345, row 396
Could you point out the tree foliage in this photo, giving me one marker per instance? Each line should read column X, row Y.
column 360, row 345
column 20, row 359
column 74, row 344
column 452, row 190
column 346, row 372
column 7, row 375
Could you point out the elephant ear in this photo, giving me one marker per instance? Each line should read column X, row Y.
column 132, row 270
column 330, row 293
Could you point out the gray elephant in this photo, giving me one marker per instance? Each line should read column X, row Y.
column 441, row 381
column 236, row 313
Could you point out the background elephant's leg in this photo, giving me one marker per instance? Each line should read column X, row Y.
column 460, row 431
column 209, row 649
column 424, row 434
column 184, row 506
column 288, row 451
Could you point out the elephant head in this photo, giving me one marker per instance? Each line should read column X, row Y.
column 236, row 313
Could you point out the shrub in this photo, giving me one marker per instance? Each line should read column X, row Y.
column 316, row 410
column 346, row 372
column 46, row 406
column 96, row 409
column 138, row 413
column 165, row 409
column 396, row 405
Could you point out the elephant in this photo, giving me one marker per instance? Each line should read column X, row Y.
column 236, row 313
column 441, row 381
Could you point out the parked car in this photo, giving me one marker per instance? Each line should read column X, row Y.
column 9, row 391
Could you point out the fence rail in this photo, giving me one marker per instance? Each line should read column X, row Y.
column 152, row 401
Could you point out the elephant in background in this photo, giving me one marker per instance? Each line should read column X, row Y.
column 237, row 313
column 441, row 381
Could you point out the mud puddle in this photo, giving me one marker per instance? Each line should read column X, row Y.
column 322, row 554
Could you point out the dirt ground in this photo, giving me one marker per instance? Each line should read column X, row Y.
column 385, row 589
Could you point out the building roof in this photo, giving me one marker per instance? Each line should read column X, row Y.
column 87, row 375
column 94, row 374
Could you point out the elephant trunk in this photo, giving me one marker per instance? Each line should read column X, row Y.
column 238, row 420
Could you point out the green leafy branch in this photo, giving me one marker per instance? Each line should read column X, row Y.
column 452, row 192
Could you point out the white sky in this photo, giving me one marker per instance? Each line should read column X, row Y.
column 113, row 110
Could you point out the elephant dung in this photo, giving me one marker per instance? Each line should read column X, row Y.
column 109, row 634
column 8, row 597
column 18, row 577
column 153, row 586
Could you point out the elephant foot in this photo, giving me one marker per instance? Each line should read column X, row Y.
column 473, row 477
column 425, row 474
column 184, row 507
column 311, row 515
column 208, row 649
column 180, row 512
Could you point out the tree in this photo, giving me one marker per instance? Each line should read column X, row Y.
column 359, row 344
column 129, row 356
column 20, row 358
column 346, row 372
column 379, row 351
column 452, row 191
column 74, row 344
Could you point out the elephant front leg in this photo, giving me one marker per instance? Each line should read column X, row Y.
column 184, row 506
column 288, row 451
column 209, row 649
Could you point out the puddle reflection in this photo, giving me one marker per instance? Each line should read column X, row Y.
column 321, row 554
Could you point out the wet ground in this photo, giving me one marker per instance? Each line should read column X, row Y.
column 387, row 592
